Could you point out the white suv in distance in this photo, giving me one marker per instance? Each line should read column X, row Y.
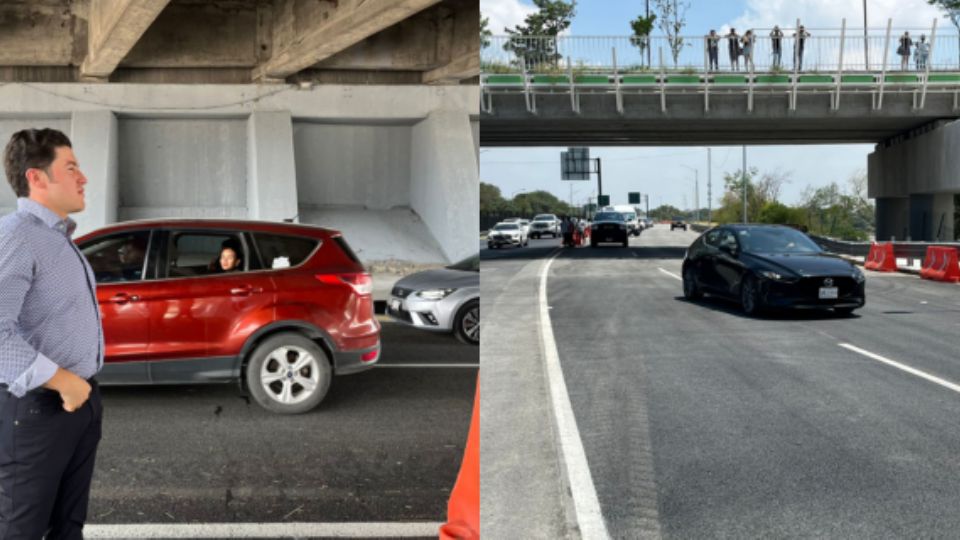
column 545, row 224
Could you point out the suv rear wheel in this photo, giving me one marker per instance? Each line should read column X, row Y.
column 288, row 373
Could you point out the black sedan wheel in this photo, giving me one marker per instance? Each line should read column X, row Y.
column 750, row 296
column 690, row 289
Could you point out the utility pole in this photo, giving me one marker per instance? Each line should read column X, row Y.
column 696, row 191
column 709, row 193
column 744, row 172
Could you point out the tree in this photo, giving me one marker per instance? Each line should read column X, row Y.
column 535, row 42
column 673, row 17
column 485, row 33
column 952, row 8
column 491, row 200
column 665, row 212
column 642, row 26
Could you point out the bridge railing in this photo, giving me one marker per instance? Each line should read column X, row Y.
column 821, row 52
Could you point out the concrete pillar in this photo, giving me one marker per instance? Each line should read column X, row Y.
column 444, row 185
column 271, row 171
column 94, row 138
column 921, row 217
column 893, row 218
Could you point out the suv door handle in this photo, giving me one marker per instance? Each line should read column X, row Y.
column 123, row 298
column 246, row 290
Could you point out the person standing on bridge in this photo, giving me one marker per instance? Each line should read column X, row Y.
column 776, row 40
column 51, row 345
column 921, row 53
column 713, row 50
column 906, row 44
column 748, row 39
column 733, row 47
column 799, row 39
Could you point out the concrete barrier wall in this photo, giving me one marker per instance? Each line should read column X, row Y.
column 366, row 166
column 175, row 167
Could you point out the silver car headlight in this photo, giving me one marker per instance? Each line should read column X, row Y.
column 858, row 275
column 435, row 294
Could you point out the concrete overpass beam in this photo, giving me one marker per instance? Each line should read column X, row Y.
column 271, row 170
column 94, row 138
column 115, row 27
column 305, row 35
column 444, row 186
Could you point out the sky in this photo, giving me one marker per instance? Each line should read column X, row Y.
column 664, row 172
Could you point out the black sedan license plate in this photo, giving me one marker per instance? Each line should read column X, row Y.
column 829, row 293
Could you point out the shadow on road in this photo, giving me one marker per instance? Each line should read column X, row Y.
column 731, row 307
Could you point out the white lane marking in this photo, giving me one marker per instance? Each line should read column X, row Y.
column 898, row 365
column 671, row 274
column 262, row 530
column 427, row 366
column 586, row 504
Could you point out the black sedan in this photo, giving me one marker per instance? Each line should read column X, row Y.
column 609, row 227
column 770, row 266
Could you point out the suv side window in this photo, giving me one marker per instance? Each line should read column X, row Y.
column 192, row 254
column 281, row 251
column 118, row 257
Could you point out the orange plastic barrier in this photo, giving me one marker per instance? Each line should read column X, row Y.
column 940, row 264
column 881, row 258
column 463, row 508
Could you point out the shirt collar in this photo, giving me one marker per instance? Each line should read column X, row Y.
column 47, row 216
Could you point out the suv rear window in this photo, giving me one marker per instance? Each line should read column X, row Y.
column 346, row 249
column 279, row 251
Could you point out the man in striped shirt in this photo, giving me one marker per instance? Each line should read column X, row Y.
column 51, row 345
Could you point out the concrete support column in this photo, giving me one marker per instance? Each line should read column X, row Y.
column 921, row 217
column 893, row 218
column 94, row 138
column 444, row 185
column 271, row 171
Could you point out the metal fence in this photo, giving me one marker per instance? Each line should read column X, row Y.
column 821, row 52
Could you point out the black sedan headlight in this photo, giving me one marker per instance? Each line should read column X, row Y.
column 778, row 277
column 858, row 275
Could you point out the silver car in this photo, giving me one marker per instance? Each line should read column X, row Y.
column 442, row 300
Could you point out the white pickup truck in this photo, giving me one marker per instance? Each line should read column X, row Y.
column 544, row 224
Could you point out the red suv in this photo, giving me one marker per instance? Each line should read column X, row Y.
column 279, row 307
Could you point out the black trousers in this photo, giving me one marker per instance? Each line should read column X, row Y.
column 46, row 464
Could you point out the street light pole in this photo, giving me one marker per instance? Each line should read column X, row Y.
column 709, row 193
column 744, row 172
column 866, row 46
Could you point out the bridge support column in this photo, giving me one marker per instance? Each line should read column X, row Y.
column 915, row 179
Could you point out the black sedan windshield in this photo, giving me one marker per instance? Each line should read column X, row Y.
column 776, row 240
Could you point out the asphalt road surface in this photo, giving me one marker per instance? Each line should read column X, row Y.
column 700, row 422
column 385, row 445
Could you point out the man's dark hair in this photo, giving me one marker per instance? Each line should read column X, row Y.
column 30, row 149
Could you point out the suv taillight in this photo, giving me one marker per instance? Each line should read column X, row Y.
column 362, row 283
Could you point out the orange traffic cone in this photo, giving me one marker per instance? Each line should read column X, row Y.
column 463, row 508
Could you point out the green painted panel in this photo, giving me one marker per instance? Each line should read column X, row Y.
column 505, row 79
column 902, row 78
column 816, row 79
column 944, row 77
column 683, row 79
column 773, row 79
column 858, row 79
column 639, row 79
column 550, row 79
column 591, row 79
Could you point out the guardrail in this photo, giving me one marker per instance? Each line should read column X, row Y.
column 839, row 50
